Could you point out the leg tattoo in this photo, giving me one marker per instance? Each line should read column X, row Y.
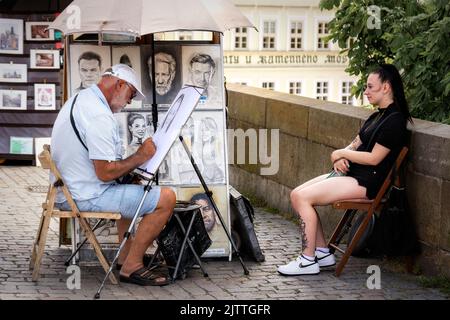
column 303, row 233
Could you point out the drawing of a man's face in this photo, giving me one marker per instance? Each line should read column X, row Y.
column 201, row 69
column 164, row 72
column 89, row 72
column 207, row 213
column 201, row 74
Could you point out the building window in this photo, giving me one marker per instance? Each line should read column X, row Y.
column 240, row 38
column 269, row 34
column 346, row 92
column 268, row 85
column 322, row 32
column 185, row 35
column 295, row 88
column 322, row 90
column 296, row 35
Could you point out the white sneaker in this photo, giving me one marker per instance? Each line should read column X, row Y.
column 325, row 259
column 300, row 266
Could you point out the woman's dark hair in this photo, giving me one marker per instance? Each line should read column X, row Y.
column 389, row 73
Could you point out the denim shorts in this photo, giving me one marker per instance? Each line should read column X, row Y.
column 123, row 198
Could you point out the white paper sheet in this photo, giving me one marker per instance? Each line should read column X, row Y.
column 170, row 128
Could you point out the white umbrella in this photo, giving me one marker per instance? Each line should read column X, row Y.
column 140, row 17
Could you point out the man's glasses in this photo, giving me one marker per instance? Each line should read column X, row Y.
column 134, row 91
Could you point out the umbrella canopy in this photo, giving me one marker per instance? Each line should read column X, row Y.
column 140, row 17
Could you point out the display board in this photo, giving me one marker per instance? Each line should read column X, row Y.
column 30, row 82
column 177, row 63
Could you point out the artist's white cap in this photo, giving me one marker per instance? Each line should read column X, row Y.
column 125, row 73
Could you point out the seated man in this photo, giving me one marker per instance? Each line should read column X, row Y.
column 91, row 163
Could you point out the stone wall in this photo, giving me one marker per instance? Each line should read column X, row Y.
column 311, row 129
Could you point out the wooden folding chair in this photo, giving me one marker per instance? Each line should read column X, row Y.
column 352, row 206
column 49, row 211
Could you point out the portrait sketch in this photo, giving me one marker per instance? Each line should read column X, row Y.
column 87, row 64
column 146, row 52
column 134, row 128
column 11, row 36
column 131, row 56
column 203, row 134
column 202, row 67
column 44, row 96
column 220, row 245
column 167, row 73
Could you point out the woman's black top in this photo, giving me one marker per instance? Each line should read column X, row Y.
column 392, row 135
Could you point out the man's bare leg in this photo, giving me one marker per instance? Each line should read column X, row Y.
column 149, row 228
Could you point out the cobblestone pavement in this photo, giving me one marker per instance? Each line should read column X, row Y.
column 279, row 239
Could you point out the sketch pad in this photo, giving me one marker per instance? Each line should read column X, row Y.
column 170, row 128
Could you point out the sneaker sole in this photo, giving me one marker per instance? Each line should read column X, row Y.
column 296, row 275
column 327, row 266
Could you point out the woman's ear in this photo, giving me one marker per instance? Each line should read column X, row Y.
column 387, row 87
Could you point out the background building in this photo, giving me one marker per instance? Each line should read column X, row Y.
column 288, row 54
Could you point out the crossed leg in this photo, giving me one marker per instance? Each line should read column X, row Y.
column 321, row 191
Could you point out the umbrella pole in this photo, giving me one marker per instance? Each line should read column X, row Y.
column 154, row 105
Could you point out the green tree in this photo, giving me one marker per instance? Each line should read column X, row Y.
column 413, row 35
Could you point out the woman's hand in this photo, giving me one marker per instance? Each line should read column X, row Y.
column 336, row 155
column 341, row 165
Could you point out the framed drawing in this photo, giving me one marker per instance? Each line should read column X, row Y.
column 21, row 145
column 220, row 245
column 11, row 36
column 44, row 59
column 202, row 67
column 36, row 31
column 131, row 56
column 203, row 135
column 13, row 100
column 44, row 96
column 86, row 65
column 12, row 72
column 167, row 72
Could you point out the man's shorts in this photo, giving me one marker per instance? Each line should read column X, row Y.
column 123, row 198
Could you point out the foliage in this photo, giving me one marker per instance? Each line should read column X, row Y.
column 413, row 35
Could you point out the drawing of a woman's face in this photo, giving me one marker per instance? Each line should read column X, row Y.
column 137, row 128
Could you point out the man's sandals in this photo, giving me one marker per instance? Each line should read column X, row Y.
column 146, row 277
column 146, row 260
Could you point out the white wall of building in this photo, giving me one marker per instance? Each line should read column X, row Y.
column 254, row 64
